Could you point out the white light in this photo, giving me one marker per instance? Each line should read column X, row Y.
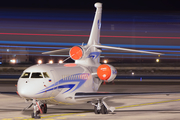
column 132, row 73
column 7, row 50
column 51, row 61
column 157, row 60
column 105, row 61
column 60, row 61
column 39, row 61
column 13, row 61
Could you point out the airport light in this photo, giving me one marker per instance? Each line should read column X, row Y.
column 51, row 62
column 157, row 60
column 60, row 61
column 105, row 61
column 39, row 61
column 13, row 61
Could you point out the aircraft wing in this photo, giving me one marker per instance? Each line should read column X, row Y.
column 98, row 95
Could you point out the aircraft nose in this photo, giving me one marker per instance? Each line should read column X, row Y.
column 26, row 89
column 23, row 91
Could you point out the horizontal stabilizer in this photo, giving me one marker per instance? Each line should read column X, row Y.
column 58, row 52
column 126, row 49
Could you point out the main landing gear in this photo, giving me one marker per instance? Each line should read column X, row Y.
column 38, row 108
column 101, row 107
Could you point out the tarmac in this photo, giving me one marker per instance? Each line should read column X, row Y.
column 149, row 107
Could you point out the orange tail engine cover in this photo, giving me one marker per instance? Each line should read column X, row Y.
column 106, row 72
column 76, row 52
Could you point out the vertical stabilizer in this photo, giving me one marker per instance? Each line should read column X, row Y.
column 95, row 30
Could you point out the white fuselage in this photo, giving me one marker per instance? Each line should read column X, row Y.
column 56, row 83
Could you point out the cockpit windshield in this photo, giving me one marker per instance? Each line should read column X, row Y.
column 25, row 75
column 45, row 75
column 36, row 75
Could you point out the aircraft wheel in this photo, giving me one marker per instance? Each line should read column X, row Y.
column 96, row 111
column 35, row 116
column 104, row 110
column 44, row 108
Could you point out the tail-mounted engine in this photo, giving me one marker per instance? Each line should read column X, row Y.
column 76, row 52
column 106, row 72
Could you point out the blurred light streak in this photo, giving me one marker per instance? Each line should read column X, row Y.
column 74, row 44
column 130, row 30
column 122, row 57
column 66, row 35
column 139, row 54
column 62, row 15
column 23, row 50
column 100, row 56
column 39, row 43
column 32, row 47
column 24, row 54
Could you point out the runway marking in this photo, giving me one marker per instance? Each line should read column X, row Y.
column 51, row 116
column 80, row 115
column 61, row 118
column 152, row 103
column 7, row 119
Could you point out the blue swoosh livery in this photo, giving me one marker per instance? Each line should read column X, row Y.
column 80, row 78
column 94, row 55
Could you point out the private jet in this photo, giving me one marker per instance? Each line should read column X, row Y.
column 72, row 83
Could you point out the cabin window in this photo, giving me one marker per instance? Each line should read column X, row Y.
column 36, row 75
column 45, row 75
column 25, row 75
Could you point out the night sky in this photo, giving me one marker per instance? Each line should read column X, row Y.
column 118, row 5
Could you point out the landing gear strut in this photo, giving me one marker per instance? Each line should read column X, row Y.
column 102, row 107
column 38, row 108
column 35, row 110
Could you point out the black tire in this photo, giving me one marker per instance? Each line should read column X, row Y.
column 32, row 115
column 96, row 111
column 104, row 110
column 44, row 108
column 36, row 117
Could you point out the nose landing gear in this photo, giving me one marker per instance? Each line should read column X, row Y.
column 35, row 110
column 38, row 108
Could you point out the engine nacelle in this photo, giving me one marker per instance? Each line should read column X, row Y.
column 76, row 52
column 106, row 72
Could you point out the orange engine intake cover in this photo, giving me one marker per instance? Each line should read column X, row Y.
column 76, row 53
column 104, row 72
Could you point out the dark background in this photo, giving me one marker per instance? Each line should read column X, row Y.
column 140, row 5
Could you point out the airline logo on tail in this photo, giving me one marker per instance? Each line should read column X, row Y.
column 99, row 24
column 94, row 55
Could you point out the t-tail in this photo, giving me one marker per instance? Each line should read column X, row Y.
column 96, row 27
column 89, row 55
